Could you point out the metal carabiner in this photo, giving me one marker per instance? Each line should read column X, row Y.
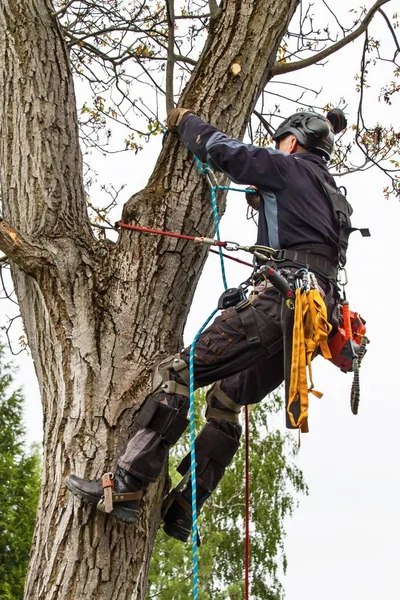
column 233, row 246
column 342, row 277
column 303, row 279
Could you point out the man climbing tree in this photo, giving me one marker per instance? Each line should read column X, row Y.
column 242, row 352
column 99, row 315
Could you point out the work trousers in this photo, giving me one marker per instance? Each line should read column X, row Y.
column 243, row 352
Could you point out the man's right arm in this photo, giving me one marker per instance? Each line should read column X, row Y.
column 243, row 163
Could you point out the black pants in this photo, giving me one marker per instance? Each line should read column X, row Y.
column 243, row 351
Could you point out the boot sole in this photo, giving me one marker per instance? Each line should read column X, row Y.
column 121, row 513
column 176, row 532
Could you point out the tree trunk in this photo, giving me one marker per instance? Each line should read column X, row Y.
column 98, row 315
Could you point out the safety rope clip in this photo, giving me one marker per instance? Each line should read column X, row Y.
column 233, row 246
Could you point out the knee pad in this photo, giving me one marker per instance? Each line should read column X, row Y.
column 215, row 450
column 233, row 409
column 166, row 421
column 162, row 380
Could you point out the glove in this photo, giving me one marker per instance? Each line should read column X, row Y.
column 175, row 117
column 253, row 198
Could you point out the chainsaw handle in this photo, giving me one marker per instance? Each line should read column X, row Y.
column 347, row 320
column 280, row 283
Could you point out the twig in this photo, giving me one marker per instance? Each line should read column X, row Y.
column 280, row 68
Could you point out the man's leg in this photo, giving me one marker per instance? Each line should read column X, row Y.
column 162, row 421
column 218, row 441
column 233, row 342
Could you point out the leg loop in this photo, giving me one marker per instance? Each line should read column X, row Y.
column 221, row 415
column 162, row 380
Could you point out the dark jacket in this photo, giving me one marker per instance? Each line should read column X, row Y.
column 295, row 210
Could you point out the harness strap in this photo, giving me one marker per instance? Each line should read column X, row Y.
column 310, row 333
column 107, row 483
column 222, row 415
column 319, row 263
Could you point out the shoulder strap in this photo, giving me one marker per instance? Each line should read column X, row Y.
column 342, row 209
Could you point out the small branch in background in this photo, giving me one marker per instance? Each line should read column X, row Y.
column 279, row 68
column 264, row 123
column 169, row 87
column 392, row 31
column 22, row 340
column 101, row 215
column 214, row 8
column 7, row 295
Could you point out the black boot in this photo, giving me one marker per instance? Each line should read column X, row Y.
column 92, row 492
column 178, row 512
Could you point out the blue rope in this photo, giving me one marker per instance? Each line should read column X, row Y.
column 205, row 169
column 216, row 222
column 193, row 458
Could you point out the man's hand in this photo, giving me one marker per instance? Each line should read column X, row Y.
column 253, row 197
column 175, row 117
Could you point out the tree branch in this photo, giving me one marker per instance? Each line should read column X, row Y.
column 214, row 8
column 27, row 256
column 169, row 85
column 283, row 68
column 388, row 23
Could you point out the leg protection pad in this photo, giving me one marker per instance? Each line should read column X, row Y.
column 233, row 409
column 164, row 380
column 164, row 420
column 215, row 450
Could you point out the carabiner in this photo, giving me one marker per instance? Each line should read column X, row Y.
column 233, row 246
column 342, row 277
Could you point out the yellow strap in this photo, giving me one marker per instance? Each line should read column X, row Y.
column 310, row 332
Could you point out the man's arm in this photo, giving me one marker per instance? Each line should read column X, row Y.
column 243, row 163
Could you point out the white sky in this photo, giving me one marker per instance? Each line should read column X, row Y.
column 343, row 541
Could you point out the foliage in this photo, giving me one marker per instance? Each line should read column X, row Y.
column 275, row 485
column 152, row 48
column 19, row 490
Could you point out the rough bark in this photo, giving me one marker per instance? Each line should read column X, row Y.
column 98, row 315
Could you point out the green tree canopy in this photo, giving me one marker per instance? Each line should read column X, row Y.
column 19, row 490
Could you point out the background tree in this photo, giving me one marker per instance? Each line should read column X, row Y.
column 92, row 336
column 19, row 493
column 274, row 486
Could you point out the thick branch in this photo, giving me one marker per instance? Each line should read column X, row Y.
column 283, row 68
column 27, row 256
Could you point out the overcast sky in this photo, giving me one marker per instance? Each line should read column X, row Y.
column 343, row 541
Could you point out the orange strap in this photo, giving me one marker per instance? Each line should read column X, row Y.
column 310, row 333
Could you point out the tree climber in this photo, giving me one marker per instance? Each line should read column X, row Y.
column 241, row 353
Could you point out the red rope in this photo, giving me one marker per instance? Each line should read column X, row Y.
column 184, row 237
column 181, row 236
column 247, row 509
column 238, row 260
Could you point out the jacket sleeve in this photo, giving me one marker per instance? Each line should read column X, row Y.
column 245, row 164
